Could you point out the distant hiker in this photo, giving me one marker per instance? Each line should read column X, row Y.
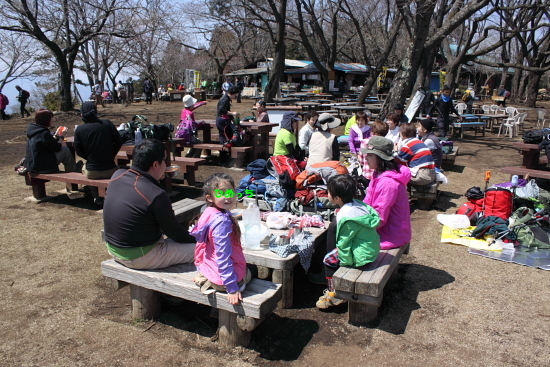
column 148, row 90
column 23, row 97
column 4, row 102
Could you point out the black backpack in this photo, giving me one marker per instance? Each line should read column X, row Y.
column 535, row 136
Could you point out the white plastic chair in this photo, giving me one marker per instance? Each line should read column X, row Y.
column 496, row 109
column 511, row 111
column 542, row 116
column 520, row 121
column 461, row 107
column 486, row 109
column 509, row 125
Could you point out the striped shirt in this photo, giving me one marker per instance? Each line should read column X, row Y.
column 416, row 154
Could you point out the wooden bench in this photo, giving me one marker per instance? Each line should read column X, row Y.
column 425, row 194
column 521, row 172
column 237, row 153
column 363, row 287
column 235, row 322
column 72, row 180
column 188, row 166
column 449, row 158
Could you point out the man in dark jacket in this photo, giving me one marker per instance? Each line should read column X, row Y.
column 444, row 106
column 97, row 141
column 44, row 152
column 23, row 97
column 148, row 90
column 138, row 211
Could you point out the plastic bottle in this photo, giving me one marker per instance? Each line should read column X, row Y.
column 252, row 227
column 137, row 138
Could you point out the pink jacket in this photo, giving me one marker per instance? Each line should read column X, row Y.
column 188, row 111
column 2, row 102
column 387, row 194
column 218, row 254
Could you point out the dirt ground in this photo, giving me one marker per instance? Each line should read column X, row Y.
column 448, row 308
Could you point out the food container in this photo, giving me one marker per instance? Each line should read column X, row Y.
column 171, row 171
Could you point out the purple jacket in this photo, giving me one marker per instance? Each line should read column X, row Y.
column 356, row 135
column 387, row 194
column 218, row 254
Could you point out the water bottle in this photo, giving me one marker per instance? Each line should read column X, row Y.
column 515, row 180
column 252, row 227
column 137, row 138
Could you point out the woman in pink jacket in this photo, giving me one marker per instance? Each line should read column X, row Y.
column 219, row 256
column 387, row 193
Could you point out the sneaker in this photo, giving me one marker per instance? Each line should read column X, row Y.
column 317, row 278
column 328, row 299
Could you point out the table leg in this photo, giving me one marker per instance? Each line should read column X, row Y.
column 286, row 279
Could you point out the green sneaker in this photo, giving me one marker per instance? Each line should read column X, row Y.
column 328, row 299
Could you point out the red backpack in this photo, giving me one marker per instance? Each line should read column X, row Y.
column 472, row 209
column 498, row 202
column 281, row 163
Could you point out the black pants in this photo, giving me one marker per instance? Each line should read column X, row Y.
column 3, row 115
column 149, row 97
column 23, row 109
column 469, row 106
column 442, row 125
column 503, row 103
column 331, row 245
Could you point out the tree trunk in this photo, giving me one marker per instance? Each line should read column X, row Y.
column 65, row 88
column 277, row 72
column 532, row 88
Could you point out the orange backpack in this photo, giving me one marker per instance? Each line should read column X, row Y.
column 320, row 171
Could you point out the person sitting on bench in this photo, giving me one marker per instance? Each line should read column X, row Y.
column 98, row 141
column 138, row 211
column 44, row 151
column 415, row 154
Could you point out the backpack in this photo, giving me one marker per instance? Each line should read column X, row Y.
column 507, row 94
column 535, row 136
column 466, row 96
column 282, row 163
column 498, row 203
column 320, row 171
column 6, row 100
column 258, row 169
column 472, row 209
column 25, row 94
column 234, row 135
column 185, row 131
column 529, row 235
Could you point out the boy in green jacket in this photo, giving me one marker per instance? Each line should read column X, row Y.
column 355, row 241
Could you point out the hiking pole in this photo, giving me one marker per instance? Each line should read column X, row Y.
column 487, row 178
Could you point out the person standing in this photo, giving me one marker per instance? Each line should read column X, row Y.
column 130, row 91
column 23, row 97
column 4, row 102
column 470, row 99
column 97, row 141
column 118, row 88
column 502, row 93
column 148, row 90
column 444, row 106
column 240, row 85
column 97, row 90
column 138, row 212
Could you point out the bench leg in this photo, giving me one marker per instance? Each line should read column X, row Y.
column 361, row 314
column 145, row 303
column 230, row 334
column 190, row 176
column 285, row 277
column 38, row 188
column 263, row 272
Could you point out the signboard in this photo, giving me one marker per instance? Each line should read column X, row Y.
column 414, row 104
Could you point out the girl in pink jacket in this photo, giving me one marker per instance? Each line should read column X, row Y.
column 387, row 193
column 219, row 256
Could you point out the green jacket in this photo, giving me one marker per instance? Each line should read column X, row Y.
column 357, row 241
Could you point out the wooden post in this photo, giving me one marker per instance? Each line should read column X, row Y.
column 285, row 277
column 264, row 272
column 145, row 303
column 230, row 334
column 247, row 323
column 361, row 314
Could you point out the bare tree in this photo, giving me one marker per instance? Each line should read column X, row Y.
column 62, row 27
column 16, row 58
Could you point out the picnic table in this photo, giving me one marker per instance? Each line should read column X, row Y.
column 259, row 132
column 469, row 121
column 281, row 269
column 284, row 101
column 493, row 118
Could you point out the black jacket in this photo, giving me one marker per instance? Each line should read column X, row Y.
column 41, row 149
column 224, row 106
column 137, row 211
column 444, row 108
column 98, row 141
